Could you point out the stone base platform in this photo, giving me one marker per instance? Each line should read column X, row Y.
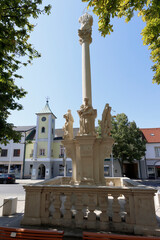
column 121, row 209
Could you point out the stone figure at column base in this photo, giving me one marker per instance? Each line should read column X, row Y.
column 106, row 125
column 87, row 119
column 68, row 127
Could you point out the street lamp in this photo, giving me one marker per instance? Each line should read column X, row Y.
column 112, row 166
column 24, row 156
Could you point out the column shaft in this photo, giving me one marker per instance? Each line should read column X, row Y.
column 86, row 73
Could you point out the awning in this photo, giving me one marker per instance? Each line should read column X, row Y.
column 153, row 162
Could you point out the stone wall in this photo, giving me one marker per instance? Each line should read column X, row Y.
column 116, row 209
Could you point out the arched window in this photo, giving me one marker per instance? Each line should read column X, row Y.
column 43, row 130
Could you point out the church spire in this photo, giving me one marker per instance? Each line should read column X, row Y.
column 46, row 109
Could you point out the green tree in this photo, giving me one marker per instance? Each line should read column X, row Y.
column 98, row 129
column 129, row 142
column 15, row 29
column 149, row 10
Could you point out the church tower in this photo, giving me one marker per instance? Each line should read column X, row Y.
column 43, row 151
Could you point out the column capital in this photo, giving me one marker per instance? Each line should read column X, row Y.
column 85, row 36
column 85, row 31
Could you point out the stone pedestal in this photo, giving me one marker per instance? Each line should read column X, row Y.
column 88, row 154
column 10, row 206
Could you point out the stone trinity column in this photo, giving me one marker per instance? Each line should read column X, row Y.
column 85, row 39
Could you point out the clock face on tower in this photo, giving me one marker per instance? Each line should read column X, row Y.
column 43, row 119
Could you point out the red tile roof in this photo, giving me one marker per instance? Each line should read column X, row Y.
column 152, row 135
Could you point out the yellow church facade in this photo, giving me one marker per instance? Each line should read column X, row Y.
column 44, row 154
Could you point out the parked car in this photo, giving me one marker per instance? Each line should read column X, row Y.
column 7, row 178
column 151, row 176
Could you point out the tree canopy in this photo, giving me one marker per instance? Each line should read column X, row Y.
column 129, row 142
column 15, row 51
column 149, row 10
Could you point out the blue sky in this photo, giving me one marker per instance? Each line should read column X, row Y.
column 120, row 69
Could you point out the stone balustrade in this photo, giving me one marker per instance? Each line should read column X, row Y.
column 106, row 208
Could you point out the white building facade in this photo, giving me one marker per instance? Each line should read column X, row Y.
column 152, row 156
column 12, row 155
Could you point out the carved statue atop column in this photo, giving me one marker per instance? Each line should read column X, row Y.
column 87, row 118
column 85, row 31
column 106, row 125
column 68, row 127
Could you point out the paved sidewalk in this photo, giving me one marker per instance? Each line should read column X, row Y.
column 14, row 220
